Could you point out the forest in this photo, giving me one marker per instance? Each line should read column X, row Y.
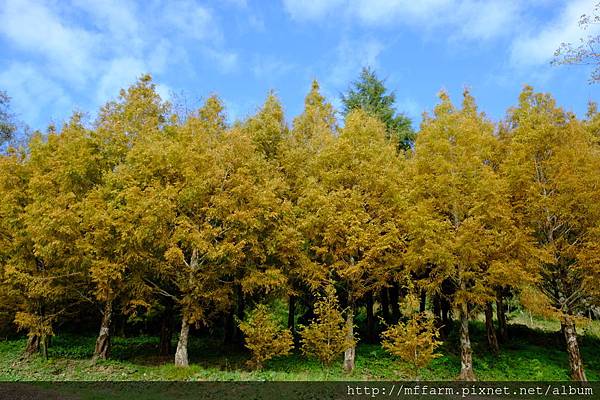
column 307, row 240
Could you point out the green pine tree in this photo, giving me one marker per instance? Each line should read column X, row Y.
column 370, row 94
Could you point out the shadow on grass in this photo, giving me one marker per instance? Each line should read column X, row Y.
column 530, row 354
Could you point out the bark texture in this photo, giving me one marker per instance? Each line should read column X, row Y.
column 181, row 354
column 44, row 343
column 33, row 345
column 350, row 353
column 466, row 358
column 385, row 305
column 166, row 333
column 292, row 314
column 102, row 350
column 575, row 362
column 501, row 314
column 489, row 328
column 371, row 337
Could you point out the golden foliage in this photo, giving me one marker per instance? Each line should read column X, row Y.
column 326, row 337
column 413, row 341
column 264, row 337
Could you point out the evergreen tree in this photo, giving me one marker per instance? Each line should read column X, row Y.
column 370, row 94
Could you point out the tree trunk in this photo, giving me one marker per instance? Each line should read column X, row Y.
column 230, row 326
column 563, row 335
column 489, row 328
column 102, row 350
column 350, row 353
column 292, row 314
column 44, row 342
column 437, row 308
column 394, row 302
column 33, row 345
column 446, row 322
column 238, row 337
column 181, row 355
column 385, row 305
column 437, row 313
column 166, row 333
column 501, row 314
column 370, row 318
column 575, row 362
column 120, row 323
column 466, row 358
column 423, row 301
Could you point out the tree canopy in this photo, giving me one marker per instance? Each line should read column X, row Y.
column 148, row 219
column 370, row 94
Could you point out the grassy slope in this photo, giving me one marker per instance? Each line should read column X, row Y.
column 532, row 354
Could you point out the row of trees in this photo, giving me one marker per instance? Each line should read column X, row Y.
column 146, row 212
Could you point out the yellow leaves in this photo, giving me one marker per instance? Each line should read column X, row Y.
column 315, row 125
column 107, row 276
column 35, row 325
column 414, row 341
column 211, row 211
column 268, row 127
column 538, row 304
column 589, row 262
column 174, row 256
column 327, row 335
column 348, row 208
column 266, row 281
column 552, row 166
column 363, row 130
column 264, row 338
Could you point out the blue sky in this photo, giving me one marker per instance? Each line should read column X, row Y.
column 57, row 56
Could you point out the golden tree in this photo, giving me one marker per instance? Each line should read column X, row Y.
column 312, row 132
column 349, row 212
column 45, row 266
column 461, row 221
column 264, row 337
column 117, row 234
column 552, row 166
column 326, row 337
column 414, row 341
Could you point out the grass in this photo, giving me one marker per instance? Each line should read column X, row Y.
column 533, row 353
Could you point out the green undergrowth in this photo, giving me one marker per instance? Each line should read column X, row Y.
column 533, row 353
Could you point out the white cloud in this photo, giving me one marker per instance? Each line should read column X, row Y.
column 538, row 46
column 487, row 19
column 382, row 11
column 311, row 9
column 115, row 16
column 92, row 48
column 164, row 91
column 351, row 57
column 226, row 60
column 472, row 19
column 120, row 73
column 36, row 29
column 32, row 92
column 410, row 107
column 268, row 67
column 191, row 19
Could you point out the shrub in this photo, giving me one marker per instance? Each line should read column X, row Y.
column 327, row 336
column 264, row 337
column 414, row 341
